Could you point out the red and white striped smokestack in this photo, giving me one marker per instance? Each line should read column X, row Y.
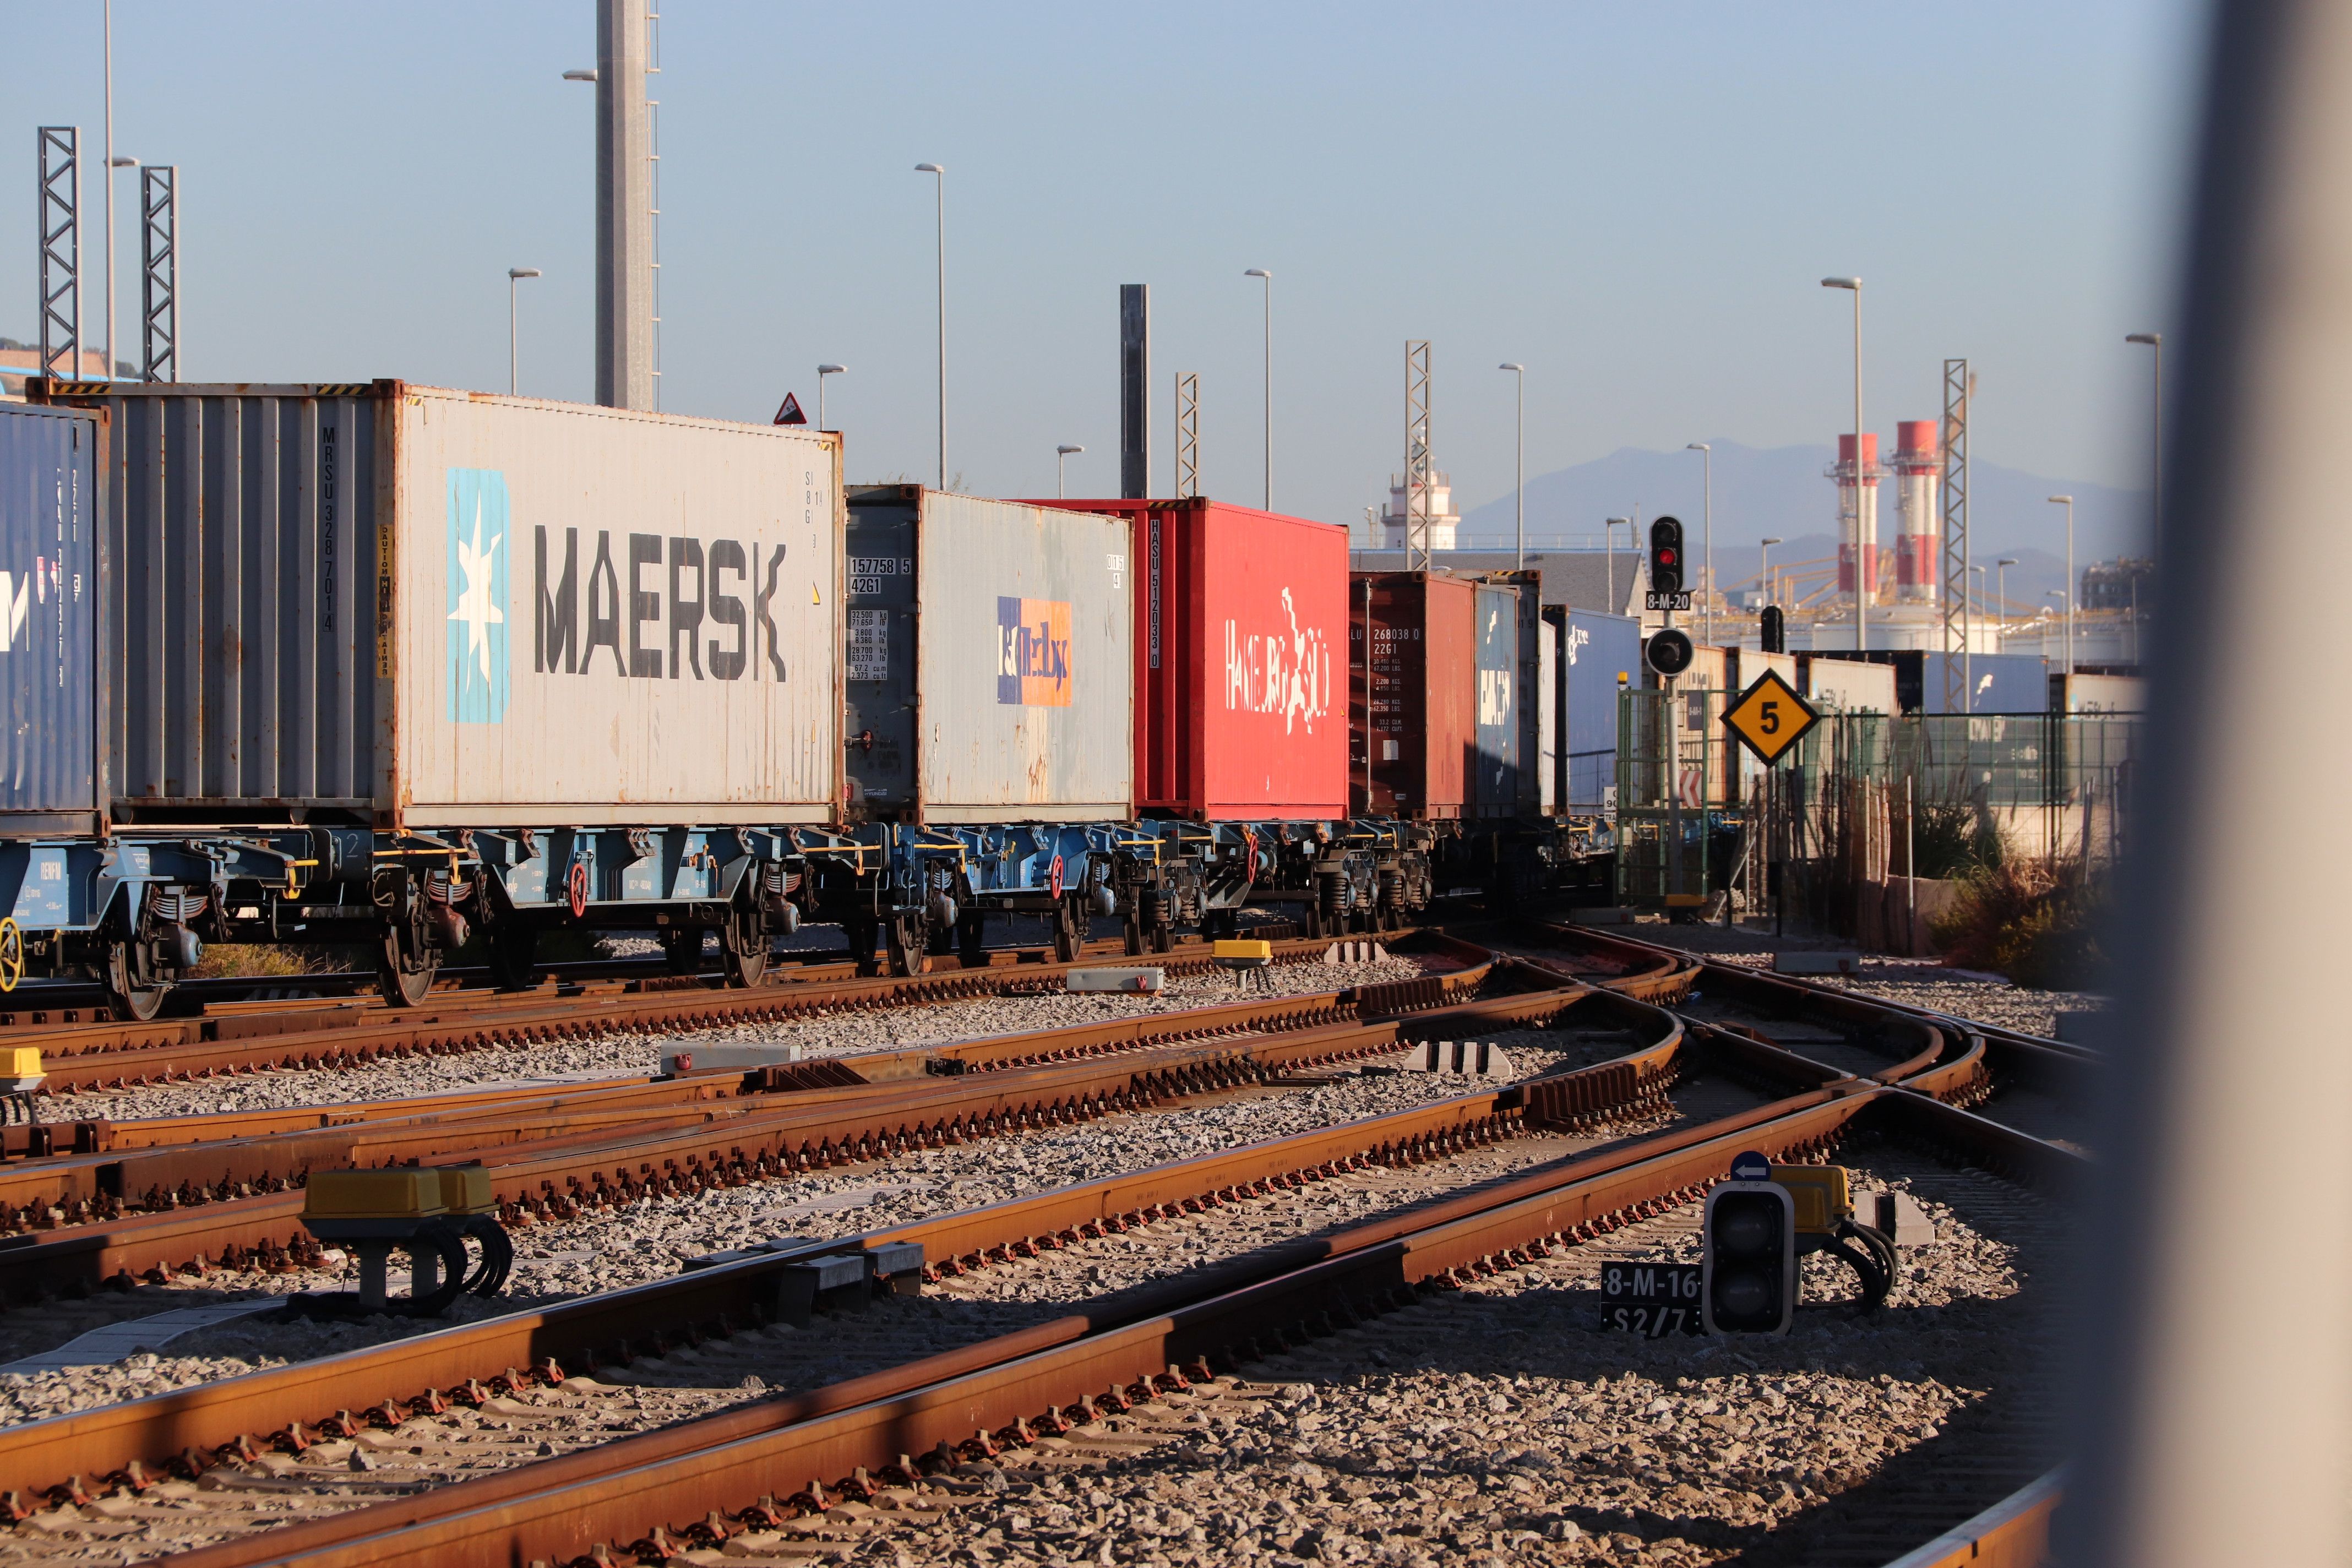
column 1858, row 516
column 1919, row 480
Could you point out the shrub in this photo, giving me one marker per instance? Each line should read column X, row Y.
column 2036, row 924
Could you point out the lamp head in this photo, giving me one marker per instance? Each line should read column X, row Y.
column 929, row 169
column 523, row 272
column 1065, row 451
column 588, row 76
column 831, row 369
column 2153, row 340
column 1853, row 283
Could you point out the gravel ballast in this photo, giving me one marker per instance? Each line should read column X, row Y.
column 602, row 1251
column 556, row 1063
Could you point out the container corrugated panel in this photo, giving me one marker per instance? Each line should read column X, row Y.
column 420, row 608
column 1239, row 650
column 614, row 612
column 1551, row 710
column 49, row 515
column 1414, row 663
column 1508, row 617
column 1600, row 651
column 1008, row 670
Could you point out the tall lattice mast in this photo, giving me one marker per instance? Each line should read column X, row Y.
column 159, row 253
column 1420, row 473
column 60, row 153
column 1959, row 680
column 1188, row 434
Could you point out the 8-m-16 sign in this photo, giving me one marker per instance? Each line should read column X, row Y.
column 1769, row 718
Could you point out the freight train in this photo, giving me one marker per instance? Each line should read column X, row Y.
column 393, row 667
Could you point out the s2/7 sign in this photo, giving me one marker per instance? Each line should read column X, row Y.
column 1653, row 1300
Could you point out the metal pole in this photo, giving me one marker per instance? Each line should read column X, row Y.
column 2156, row 530
column 1269, row 391
column 1865, row 576
column 941, row 175
column 1519, row 481
column 108, row 23
column 514, row 360
column 1266, row 277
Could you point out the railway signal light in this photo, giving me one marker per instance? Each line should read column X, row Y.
column 1775, row 635
column 1748, row 1272
column 1669, row 652
column 1666, row 556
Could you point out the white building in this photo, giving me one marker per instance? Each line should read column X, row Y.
column 1442, row 519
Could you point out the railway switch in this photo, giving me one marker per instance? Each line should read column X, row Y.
column 20, row 1078
column 430, row 1214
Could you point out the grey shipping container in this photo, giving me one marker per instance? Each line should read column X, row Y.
column 50, row 461
column 412, row 607
column 990, row 660
column 1598, row 652
column 1508, row 621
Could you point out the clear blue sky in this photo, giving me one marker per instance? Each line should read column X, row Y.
column 1638, row 201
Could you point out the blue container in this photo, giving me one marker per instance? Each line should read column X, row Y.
column 1506, row 623
column 48, row 619
column 1596, row 651
column 2003, row 682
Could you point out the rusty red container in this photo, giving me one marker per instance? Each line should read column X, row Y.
column 1240, row 672
column 1413, row 656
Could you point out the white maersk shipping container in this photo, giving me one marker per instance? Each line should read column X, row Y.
column 412, row 607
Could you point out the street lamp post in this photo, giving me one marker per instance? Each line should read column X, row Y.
column 1764, row 569
column 1608, row 537
column 1707, row 594
column 1971, row 612
column 2001, row 588
column 514, row 358
column 942, row 173
column 1519, row 484
column 2156, row 341
column 2068, row 502
column 1267, row 278
column 1862, row 564
column 821, row 372
column 1062, row 470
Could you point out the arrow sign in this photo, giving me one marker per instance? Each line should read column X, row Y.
column 790, row 414
column 1770, row 718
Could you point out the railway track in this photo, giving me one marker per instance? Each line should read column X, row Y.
column 326, row 1033
column 2043, row 1087
column 1816, row 1104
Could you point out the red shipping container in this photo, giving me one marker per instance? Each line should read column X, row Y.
column 1413, row 663
column 1240, row 711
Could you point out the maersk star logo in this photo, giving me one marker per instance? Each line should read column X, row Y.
column 476, row 636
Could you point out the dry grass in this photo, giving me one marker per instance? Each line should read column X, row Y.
column 2034, row 922
column 240, row 961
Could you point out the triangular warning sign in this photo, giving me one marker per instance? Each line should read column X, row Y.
column 790, row 414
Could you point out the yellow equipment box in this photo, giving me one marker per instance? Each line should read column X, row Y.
column 465, row 1189
column 402, row 1193
column 1229, row 950
column 20, row 1061
column 1823, row 1195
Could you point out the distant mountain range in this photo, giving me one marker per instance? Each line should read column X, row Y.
column 1781, row 492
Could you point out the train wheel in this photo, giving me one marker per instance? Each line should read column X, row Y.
column 743, row 948
column 1132, row 928
column 132, row 988
column 970, row 926
column 910, row 941
column 1163, row 937
column 513, row 953
column 405, row 981
column 1066, row 931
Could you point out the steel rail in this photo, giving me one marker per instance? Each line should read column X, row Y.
column 695, row 1484
column 740, row 1140
column 120, row 1056
column 155, row 1431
